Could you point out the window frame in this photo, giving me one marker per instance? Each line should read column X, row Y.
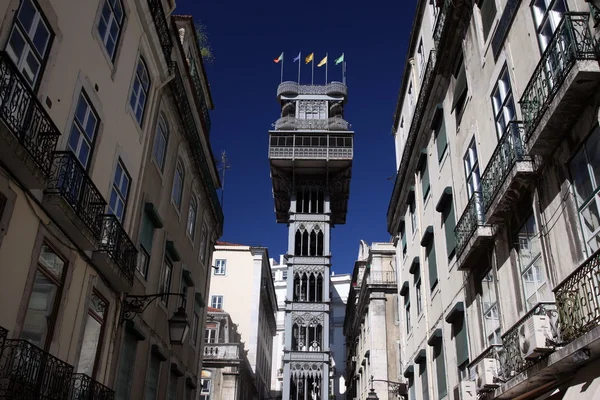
column 117, row 190
column 102, row 321
column 500, row 105
column 210, row 336
column 497, row 333
column 162, row 128
column 222, row 268
column 472, row 158
column 141, row 89
column 179, row 173
column 486, row 37
column 213, row 303
column 120, row 25
column 79, row 125
column 192, row 222
column 546, row 18
column 166, row 280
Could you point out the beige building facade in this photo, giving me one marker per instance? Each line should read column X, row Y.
column 242, row 284
column 91, row 94
column 494, row 206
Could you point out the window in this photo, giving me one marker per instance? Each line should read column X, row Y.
column 472, row 170
column 490, row 310
column 425, row 179
column 433, row 12
column 419, row 296
column 421, row 58
column 487, row 9
column 195, row 323
column 503, row 102
column 585, row 174
column 110, row 25
column 529, row 255
column 459, row 333
column 161, row 138
column 217, row 302
column 404, row 245
column 210, row 335
column 29, row 41
column 220, row 267
column 177, row 193
column 83, row 130
column 126, row 367
column 139, row 91
column 284, row 276
column 547, row 14
column 432, row 264
column 146, row 239
column 92, row 335
column 440, row 369
column 44, row 299
column 120, row 191
column 165, row 281
column 413, row 216
column 192, row 216
column 411, row 96
column 423, row 376
column 173, row 384
column 449, row 225
column 152, row 378
column 441, row 140
column 205, row 390
column 312, row 109
column 459, row 97
column 203, row 242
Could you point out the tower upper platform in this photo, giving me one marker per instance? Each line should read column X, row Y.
column 311, row 142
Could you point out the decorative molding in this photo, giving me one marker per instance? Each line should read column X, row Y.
column 307, row 318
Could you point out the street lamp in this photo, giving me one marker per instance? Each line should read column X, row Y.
column 398, row 388
column 178, row 324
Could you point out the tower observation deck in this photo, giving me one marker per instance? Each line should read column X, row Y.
column 310, row 156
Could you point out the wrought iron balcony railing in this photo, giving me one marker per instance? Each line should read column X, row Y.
column 224, row 351
column 290, row 88
column 69, row 179
column 330, row 124
column 472, row 218
column 440, row 25
column 28, row 372
column 201, row 96
column 3, row 334
column 508, row 152
column 85, row 388
column 572, row 41
column 512, row 361
column 162, row 29
column 329, row 147
column 578, row 301
column 25, row 116
column 117, row 244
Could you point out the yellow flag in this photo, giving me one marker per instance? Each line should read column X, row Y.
column 309, row 58
column 323, row 62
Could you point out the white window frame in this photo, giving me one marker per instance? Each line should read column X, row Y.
column 192, row 217
column 139, row 90
column 503, row 102
column 178, row 182
column 216, row 300
column 80, row 126
column 210, row 335
column 161, row 140
column 472, row 174
column 166, row 280
column 491, row 311
column 113, row 20
column 221, row 266
column 546, row 17
column 419, row 297
column 421, row 58
column 120, row 194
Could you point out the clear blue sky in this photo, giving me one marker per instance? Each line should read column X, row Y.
column 245, row 37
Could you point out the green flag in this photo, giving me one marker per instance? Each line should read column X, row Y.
column 339, row 59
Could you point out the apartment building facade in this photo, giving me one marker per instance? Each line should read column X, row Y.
column 82, row 88
column 493, row 207
column 242, row 284
column 371, row 325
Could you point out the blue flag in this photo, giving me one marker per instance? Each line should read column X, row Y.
column 297, row 58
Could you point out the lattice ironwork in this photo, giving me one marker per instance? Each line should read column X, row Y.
column 329, row 124
column 472, row 218
column 85, row 388
column 440, row 25
column 326, row 147
column 25, row 116
column 572, row 41
column 415, row 126
column 162, row 30
column 3, row 335
column 70, row 180
column 508, row 152
column 578, row 301
column 511, row 359
column 117, row 244
column 29, row 373
column 200, row 95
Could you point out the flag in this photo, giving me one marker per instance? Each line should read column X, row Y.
column 323, row 62
column 340, row 59
column 297, row 58
column 280, row 58
column 309, row 58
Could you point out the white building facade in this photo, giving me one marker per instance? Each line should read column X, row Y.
column 494, row 206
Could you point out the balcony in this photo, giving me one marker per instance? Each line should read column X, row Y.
column 221, row 353
column 85, row 388
column 27, row 372
column 315, row 356
column 508, row 172
column 200, row 96
column 74, row 201
column 319, row 147
column 116, row 256
column 563, row 81
column 330, row 124
column 378, row 278
column 162, row 30
column 28, row 135
column 472, row 234
column 292, row 89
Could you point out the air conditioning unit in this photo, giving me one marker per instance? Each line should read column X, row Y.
column 485, row 371
column 467, row 390
column 532, row 337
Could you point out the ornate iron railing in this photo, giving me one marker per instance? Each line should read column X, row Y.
column 3, row 335
column 415, row 126
column 117, row 244
column 193, row 137
column 578, row 301
column 27, row 372
column 162, row 29
column 511, row 359
column 225, row 351
column 25, row 116
column 326, row 147
column 200, row 96
column 85, row 388
column 293, row 88
column 508, row 152
column 472, row 218
column 440, row 24
column 572, row 41
column 331, row 124
column 69, row 179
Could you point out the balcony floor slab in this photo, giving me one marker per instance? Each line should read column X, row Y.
column 68, row 220
column 475, row 248
column 111, row 271
column 16, row 157
column 565, row 108
column 519, row 178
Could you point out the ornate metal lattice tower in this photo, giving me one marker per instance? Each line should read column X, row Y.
column 310, row 154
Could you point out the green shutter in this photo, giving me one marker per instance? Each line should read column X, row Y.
column 459, row 327
column 433, row 276
column 441, row 141
column 449, row 225
column 147, row 235
column 440, row 367
column 424, row 384
column 425, row 180
column 126, row 363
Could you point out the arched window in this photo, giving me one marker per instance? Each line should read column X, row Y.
column 160, row 142
column 139, row 90
column 178, row 180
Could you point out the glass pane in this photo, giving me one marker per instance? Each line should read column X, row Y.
column 40, row 38
column 39, row 310
column 590, row 218
column 90, row 126
column 97, row 305
column 84, row 152
column 31, row 67
column 581, row 177
column 89, row 347
column 51, row 261
column 27, row 14
column 593, row 152
column 125, row 185
column 16, row 45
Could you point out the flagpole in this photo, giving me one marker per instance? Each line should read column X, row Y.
column 282, row 68
column 344, row 72
column 299, row 62
column 326, row 62
column 312, row 79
